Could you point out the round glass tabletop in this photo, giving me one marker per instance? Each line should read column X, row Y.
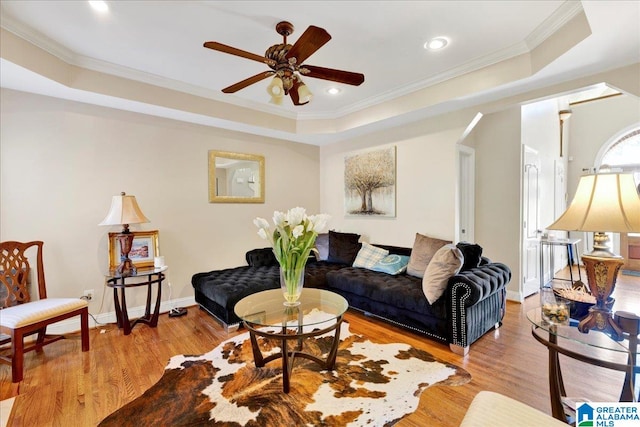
column 267, row 308
column 594, row 338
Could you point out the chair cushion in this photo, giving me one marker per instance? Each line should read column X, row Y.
column 35, row 311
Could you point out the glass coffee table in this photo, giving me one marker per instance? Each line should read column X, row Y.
column 594, row 348
column 318, row 313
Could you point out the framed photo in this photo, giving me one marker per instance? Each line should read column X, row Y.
column 145, row 247
column 370, row 183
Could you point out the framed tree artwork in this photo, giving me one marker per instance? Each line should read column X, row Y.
column 370, row 183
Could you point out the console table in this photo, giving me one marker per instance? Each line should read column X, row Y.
column 572, row 254
column 594, row 348
column 143, row 277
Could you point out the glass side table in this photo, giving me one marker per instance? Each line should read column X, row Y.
column 595, row 348
column 143, row 277
column 265, row 315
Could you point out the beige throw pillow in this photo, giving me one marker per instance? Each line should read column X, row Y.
column 424, row 247
column 446, row 262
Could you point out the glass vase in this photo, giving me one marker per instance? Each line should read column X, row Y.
column 291, row 283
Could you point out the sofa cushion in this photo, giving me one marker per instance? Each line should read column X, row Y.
column 322, row 246
column 369, row 255
column 472, row 255
column 424, row 247
column 262, row 257
column 392, row 264
column 343, row 247
column 402, row 291
column 446, row 262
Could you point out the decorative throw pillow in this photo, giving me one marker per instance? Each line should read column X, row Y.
column 369, row 256
column 424, row 247
column 343, row 247
column 446, row 262
column 322, row 245
column 392, row 264
column 472, row 255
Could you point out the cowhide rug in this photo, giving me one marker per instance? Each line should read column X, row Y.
column 372, row 385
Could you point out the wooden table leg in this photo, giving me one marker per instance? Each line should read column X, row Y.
column 331, row 357
column 156, row 311
column 630, row 324
column 286, row 365
column 556, row 384
column 116, row 302
column 124, row 315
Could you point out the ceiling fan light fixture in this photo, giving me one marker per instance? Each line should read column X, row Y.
column 276, row 100
column 275, row 88
column 304, row 94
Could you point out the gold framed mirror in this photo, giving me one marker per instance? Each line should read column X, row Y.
column 235, row 177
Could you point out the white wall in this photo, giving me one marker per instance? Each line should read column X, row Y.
column 425, row 190
column 498, row 140
column 61, row 161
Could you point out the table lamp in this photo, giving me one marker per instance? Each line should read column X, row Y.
column 124, row 211
column 606, row 202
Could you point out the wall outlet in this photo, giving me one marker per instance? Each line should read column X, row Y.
column 87, row 294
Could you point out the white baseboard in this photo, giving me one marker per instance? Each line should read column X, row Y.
column 514, row 296
column 73, row 325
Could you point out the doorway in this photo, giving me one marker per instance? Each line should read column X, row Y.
column 530, row 221
column 466, row 194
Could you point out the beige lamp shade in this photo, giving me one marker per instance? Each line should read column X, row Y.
column 603, row 203
column 124, row 210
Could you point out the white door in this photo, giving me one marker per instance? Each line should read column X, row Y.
column 466, row 194
column 559, row 206
column 530, row 222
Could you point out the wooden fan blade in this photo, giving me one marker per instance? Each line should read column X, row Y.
column 339, row 76
column 311, row 40
column 247, row 82
column 238, row 52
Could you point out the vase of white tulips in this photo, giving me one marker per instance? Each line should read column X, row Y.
column 293, row 239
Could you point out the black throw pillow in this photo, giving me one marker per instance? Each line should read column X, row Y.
column 472, row 255
column 343, row 247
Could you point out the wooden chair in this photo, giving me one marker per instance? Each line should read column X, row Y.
column 20, row 316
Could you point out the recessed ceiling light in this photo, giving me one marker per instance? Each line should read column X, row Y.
column 99, row 5
column 333, row 90
column 436, row 43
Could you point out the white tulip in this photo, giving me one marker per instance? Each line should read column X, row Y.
column 320, row 222
column 261, row 223
column 262, row 233
column 279, row 219
column 295, row 216
column 298, row 231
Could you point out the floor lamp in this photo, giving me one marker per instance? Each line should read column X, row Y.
column 124, row 211
column 607, row 202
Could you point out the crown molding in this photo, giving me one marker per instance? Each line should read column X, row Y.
column 567, row 11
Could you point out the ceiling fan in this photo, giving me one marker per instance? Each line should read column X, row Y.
column 286, row 63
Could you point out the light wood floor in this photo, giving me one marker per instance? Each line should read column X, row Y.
column 65, row 387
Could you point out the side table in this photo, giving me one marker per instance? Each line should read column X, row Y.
column 594, row 348
column 572, row 254
column 143, row 277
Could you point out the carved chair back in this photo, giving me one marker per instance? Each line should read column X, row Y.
column 15, row 272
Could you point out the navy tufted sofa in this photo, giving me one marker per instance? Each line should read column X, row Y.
column 473, row 303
